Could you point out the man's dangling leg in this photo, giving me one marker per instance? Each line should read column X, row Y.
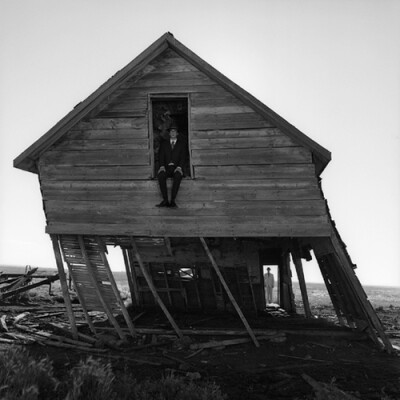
column 162, row 182
column 177, row 178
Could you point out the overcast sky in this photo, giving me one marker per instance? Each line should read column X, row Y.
column 331, row 68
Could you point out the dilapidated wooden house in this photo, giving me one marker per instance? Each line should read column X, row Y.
column 250, row 196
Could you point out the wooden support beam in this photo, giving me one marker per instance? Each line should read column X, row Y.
column 134, row 294
column 167, row 284
column 153, row 289
column 253, row 298
column 64, row 286
column 97, row 288
column 196, row 275
column 115, row 288
column 362, row 296
column 286, row 296
column 300, row 275
column 135, row 280
column 167, row 242
column 333, row 292
column 340, row 285
column 229, row 293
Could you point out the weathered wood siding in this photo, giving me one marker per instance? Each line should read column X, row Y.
column 250, row 178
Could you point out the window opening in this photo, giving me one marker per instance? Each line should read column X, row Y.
column 166, row 112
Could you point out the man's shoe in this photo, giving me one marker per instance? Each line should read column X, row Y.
column 164, row 203
column 173, row 204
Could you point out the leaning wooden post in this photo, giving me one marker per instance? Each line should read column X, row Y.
column 359, row 291
column 64, row 286
column 229, row 293
column 129, row 277
column 153, row 289
column 115, row 289
column 300, row 275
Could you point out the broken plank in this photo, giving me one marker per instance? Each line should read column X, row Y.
column 230, row 342
column 64, row 329
column 3, row 324
column 21, row 316
column 8, row 341
column 72, row 347
column 52, row 336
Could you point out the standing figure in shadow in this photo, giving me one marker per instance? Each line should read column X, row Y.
column 172, row 156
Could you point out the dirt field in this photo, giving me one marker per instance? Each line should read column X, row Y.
column 295, row 353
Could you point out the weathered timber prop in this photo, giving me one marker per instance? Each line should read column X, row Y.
column 64, row 286
column 229, row 293
column 300, row 274
column 154, row 290
column 232, row 342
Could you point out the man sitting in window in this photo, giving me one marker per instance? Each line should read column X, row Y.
column 172, row 156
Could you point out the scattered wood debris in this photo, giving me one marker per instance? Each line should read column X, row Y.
column 12, row 285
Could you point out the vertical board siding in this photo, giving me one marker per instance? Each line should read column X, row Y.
column 250, row 178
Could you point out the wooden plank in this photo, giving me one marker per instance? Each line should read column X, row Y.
column 107, row 134
column 186, row 195
column 99, row 157
column 188, row 185
column 94, row 173
column 154, row 290
column 236, row 133
column 108, row 144
column 111, row 123
column 93, row 215
column 261, row 171
column 229, row 293
column 221, row 109
column 173, row 79
column 242, row 143
column 304, row 208
column 216, row 228
column 278, row 155
column 220, row 99
column 64, row 286
column 205, row 122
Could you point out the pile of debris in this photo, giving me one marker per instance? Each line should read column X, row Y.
column 47, row 325
column 12, row 285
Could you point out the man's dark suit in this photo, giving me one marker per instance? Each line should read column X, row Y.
column 172, row 162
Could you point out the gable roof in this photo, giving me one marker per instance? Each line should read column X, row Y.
column 27, row 159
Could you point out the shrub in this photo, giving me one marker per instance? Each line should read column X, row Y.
column 91, row 379
column 24, row 378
